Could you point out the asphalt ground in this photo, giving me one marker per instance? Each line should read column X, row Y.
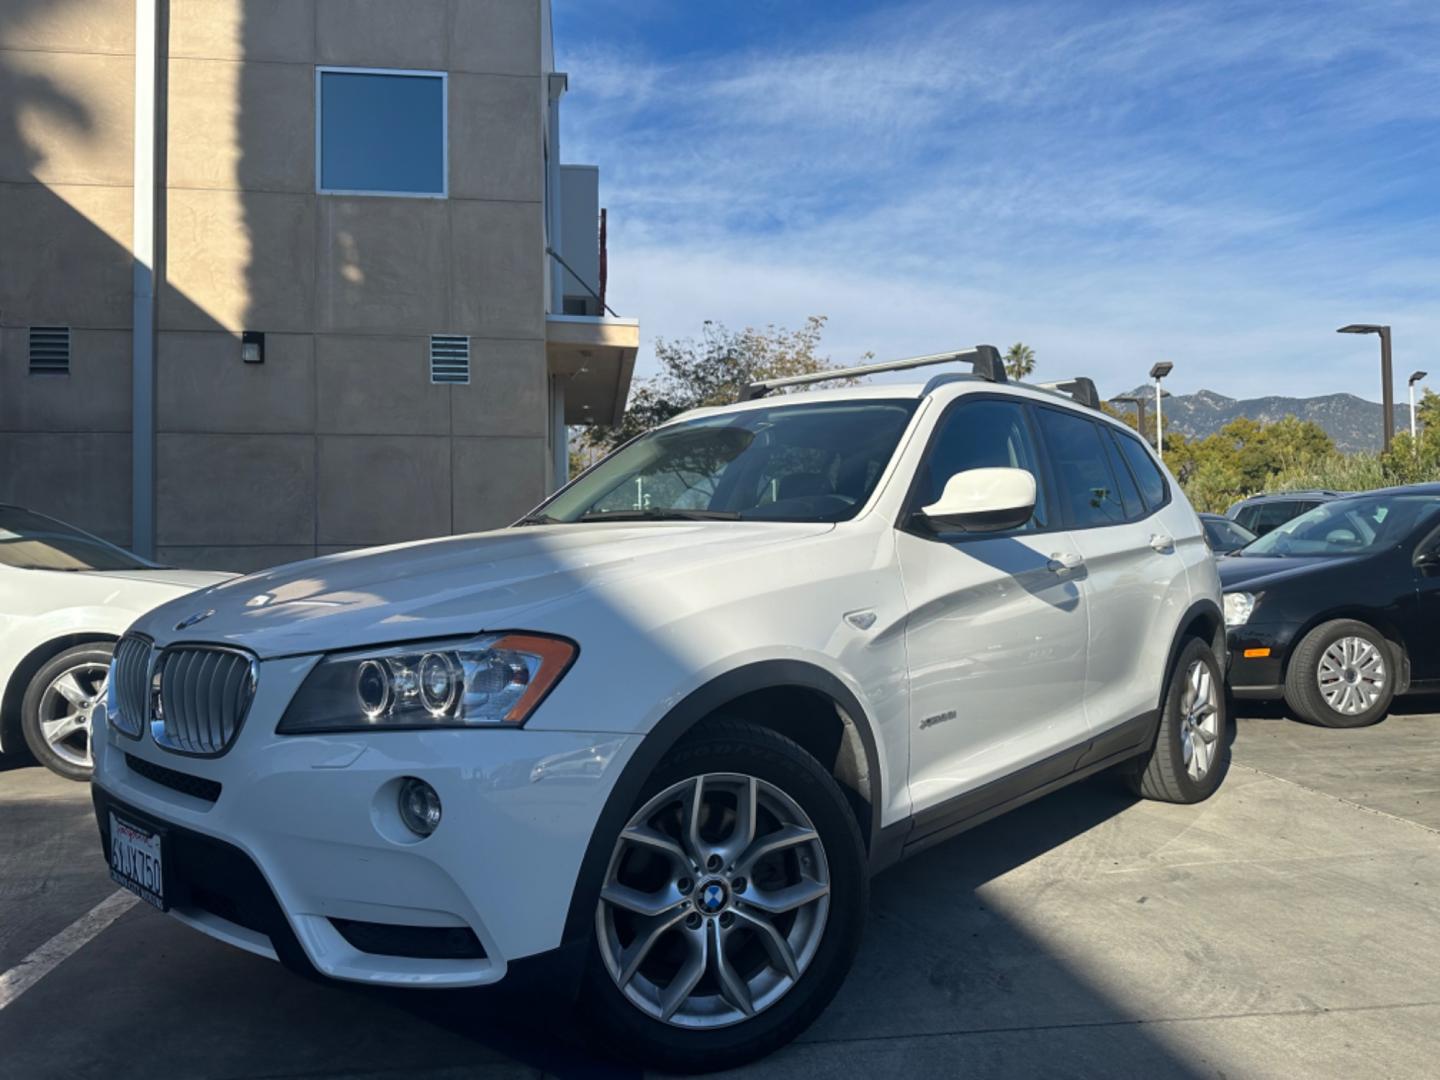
column 1289, row 927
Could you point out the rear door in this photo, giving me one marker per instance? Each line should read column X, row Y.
column 1135, row 584
column 997, row 635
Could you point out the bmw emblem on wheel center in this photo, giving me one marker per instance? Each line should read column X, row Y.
column 712, row 898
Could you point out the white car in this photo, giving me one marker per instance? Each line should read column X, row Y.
column 65, row 597
column 662, row 730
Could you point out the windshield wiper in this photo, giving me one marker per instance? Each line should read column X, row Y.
column 539, row 519
column 660, row 513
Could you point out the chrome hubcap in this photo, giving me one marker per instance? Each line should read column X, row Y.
column 1351, row 675
column 66, row 709
column 1200, row 729
column 714, row 902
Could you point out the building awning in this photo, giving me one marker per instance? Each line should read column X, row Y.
column 595, row 357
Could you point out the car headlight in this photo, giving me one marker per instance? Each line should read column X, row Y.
column 488, row 681
column 1238, row 606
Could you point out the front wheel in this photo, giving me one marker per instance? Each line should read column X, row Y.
column 732, row 904
column 1341, row 675
column 55, row 713
column 1191, row 753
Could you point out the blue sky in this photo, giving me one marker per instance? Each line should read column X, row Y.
column 1220, row 184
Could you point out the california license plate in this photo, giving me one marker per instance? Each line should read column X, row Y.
column 137, row 860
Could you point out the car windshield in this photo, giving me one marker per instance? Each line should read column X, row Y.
column 1347, row 526
column 817, row 461
column 31, row 541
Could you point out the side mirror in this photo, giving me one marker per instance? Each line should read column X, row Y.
column 1428, row 560
column 984, row 500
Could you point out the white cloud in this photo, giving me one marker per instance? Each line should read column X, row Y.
column 1220, row 184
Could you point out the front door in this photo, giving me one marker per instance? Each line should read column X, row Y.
column 996, row 640
column 1422, row 639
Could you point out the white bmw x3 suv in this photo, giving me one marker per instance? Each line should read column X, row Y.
column 662, row 730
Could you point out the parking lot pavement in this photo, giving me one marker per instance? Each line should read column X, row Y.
column 1285, row 928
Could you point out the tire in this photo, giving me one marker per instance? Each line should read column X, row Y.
column 1192, row 750
column 52, row 697
column 1359, row 667
column 707, row 1028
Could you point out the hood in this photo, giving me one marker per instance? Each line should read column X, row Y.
column 178, row 579
column 454, row 586
column 1257, row 572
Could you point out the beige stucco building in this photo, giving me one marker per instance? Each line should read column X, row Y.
column 274, row 276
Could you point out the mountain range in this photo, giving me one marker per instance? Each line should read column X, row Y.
column 1353, row 422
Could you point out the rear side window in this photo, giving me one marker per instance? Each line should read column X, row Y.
column 978, row 435
column 1147, row 474
column 1085, row 484
column 1129, row 493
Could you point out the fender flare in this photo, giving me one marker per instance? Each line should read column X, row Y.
column 1201, row 608
column 673, row 726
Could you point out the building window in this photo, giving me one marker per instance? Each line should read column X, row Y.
column 380, row 132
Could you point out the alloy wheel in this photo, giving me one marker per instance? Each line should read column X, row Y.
column 1352, row 675
column 715, row 901
column 66, row 709
column 1200, row 729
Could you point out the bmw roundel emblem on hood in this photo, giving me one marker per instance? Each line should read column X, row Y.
column 191, row 620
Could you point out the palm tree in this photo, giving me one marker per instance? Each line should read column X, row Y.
column 1019, row 361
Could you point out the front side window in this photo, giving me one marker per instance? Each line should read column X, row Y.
column 31, row 541
column 786, row 462
column 380, row 132
column 980, row 435
column 1084, row 481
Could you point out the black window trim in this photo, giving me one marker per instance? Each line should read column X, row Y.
column 909, row 509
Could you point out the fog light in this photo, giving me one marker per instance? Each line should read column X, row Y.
column 419, row 806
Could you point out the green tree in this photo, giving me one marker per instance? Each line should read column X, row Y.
column 1019, row 361
column 1244, row 457
column 710, row 370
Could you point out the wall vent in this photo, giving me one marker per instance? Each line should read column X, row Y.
column 49, row 350
column 449, row 358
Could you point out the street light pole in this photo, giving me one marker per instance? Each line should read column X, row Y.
column 1415, row 378
column 1158, row 372
column 1387, row 379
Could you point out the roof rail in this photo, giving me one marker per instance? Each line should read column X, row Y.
column 984, row 358
column 1079, row 388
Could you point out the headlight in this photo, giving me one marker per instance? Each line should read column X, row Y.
column 492, row 680
column 1238, row 606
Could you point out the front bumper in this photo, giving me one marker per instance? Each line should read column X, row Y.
column 1261, row 674
column 302, row 842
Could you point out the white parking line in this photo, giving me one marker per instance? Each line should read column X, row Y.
column 74, row 937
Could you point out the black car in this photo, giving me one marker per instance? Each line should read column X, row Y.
column 1261, row 513
column 1224, row 535
column 1338, row 610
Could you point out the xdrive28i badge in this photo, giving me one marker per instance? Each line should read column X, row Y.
column 191, row 620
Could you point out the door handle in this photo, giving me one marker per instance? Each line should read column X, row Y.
column 1162, row 543
column 1062, row 562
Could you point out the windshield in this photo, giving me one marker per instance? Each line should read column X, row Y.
column 807, row 462
column 31, row 541
column 1347, row 526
